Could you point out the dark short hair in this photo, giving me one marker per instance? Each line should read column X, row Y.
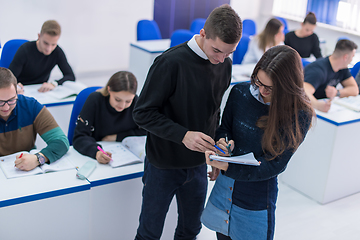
column 7, row 78
column 224, row 23
column 51, row 27
column 121, row 81
column 310, row 18
column 344, row 46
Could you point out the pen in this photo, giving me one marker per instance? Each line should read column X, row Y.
column 100, row 149
column 228, row 145
column 219, row 149
column 21, row 155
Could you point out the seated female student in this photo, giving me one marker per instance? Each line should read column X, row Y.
column 107, row 116
column 272, row 35
column 304, row 40
column 268, row 117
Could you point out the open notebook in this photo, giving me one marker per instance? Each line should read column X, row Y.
column 8, row 167
column 130, row 151
column 247, row 159
column 351, row 102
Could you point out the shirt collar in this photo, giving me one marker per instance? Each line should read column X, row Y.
column 256, row 93
column 195, row 47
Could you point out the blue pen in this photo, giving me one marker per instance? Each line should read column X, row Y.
column 219, row 149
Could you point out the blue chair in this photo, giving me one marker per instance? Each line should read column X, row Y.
column 249, row 27
column 148, row 30
column 78, row 104
column 180, row 36
column 283, row 20
column 305, row 62
column 9, row 50
column 241, row 49
column 197, row 24
column 355, row 69
column 343, row 38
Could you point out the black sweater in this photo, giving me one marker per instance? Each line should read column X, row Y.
column 31, row 66
column 304, row 46
column 182, row 93
column 100, row 120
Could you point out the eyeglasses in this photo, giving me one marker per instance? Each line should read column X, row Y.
column 9, row 102
column 259, row 84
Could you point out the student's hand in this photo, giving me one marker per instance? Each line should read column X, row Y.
column 45, row 87
column 221, row 143
column 109, row 138
column 323, row 105
column 103, row 158
column 221, row 165
column 214, row 173
column 198, row 141
column 20, row 88
column 27, row 162
column 330, row 92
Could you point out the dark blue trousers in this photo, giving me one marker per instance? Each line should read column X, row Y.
column 160, row 185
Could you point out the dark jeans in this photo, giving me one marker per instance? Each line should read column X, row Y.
column 221, row 236
column 160, row 186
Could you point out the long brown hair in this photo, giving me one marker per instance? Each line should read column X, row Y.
column 282, row 130
column 120, row 81
column 266, row 37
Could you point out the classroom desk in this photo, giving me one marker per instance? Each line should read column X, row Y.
column 326, row 165
column 142, row 55
column 59, row 108
column 116, row 200
column 44, row 206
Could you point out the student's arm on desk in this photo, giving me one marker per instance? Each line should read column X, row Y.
column 350, row 88
column 65, row 68
column 321, row 105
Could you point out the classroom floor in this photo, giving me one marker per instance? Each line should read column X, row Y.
column 297, row 216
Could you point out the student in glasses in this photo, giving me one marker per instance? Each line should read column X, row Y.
column 21, row 119
column 268, row 117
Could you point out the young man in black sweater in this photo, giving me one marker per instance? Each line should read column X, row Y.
column 179, row 106
column 34, row 61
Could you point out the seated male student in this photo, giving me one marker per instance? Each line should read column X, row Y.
column 34, row 61
column 21, row 118
column 322, row 76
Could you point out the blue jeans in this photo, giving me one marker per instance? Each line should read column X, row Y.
column 160, row 186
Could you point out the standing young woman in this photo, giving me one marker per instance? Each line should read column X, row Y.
column 269, row 117
column 304, row 40
column 272, row 35
column 107, row 116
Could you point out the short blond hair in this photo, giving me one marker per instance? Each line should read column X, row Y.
column 51, row 27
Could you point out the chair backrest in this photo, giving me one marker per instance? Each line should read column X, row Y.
column 355, row 69
column 241, row 49
column 197, row 24
column 180, row 36
column 305, row 62
column 78, row 104
column 249, row 27
column 148, row 30
column 9, row 50
column 283, row 20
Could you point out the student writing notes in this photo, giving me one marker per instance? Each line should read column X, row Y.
column 270, row 118
column 179, row 106
column 107, row 116
column 34, row 60
column 21, row 119
column 322, row 76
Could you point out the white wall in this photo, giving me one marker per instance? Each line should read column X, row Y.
column 95, row 34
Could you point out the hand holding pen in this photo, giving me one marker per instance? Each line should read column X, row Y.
column 102, row 156
column 226, row 145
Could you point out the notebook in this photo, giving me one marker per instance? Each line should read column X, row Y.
column 247, row 159
column 10, row 171
column 351, row 102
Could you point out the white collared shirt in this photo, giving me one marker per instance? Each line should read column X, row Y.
column 195, row 47
column 257, row 95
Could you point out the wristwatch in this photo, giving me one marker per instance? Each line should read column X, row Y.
column 338, row 93
column 55, row 83
column 40, row 158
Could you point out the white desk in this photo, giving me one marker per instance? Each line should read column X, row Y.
column 44, row 206
column 59, row 108
column 142, row 55
column 116, row 200
column 326, row 165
